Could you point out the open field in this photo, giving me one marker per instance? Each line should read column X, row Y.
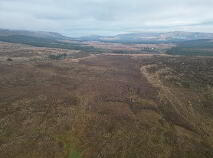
column 104, row 105
column 120, row 48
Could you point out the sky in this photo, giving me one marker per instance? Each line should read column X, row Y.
column 107, row 17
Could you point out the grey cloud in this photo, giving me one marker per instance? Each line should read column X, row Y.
column 84, row 17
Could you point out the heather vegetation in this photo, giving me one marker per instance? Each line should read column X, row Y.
column 193, row 48
column 106, row 105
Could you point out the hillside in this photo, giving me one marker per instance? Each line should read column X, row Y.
column 36, row 34
column 152, row 37
column 48, row 42
column 193, row 48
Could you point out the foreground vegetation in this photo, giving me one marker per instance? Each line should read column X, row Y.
column 102, row 106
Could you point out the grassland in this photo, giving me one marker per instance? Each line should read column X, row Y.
column 104, row 105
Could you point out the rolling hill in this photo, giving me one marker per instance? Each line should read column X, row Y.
column 37, row 34
column 152, row 37
column 43, row 39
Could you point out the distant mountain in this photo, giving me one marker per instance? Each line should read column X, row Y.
column 90, row 38
column 146, row 37
column 44, row 39
column 152, row 37
column 37, row 34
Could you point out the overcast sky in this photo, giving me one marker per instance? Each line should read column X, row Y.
column 107, row 17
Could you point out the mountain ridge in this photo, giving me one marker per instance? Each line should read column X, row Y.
column 140, row 37
column 175, row 36
column 37, row 34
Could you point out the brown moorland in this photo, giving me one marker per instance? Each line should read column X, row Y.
column 104, row 106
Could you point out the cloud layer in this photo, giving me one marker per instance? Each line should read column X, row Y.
column 107, row 17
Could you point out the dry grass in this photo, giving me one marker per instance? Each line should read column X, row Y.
column 98, row 107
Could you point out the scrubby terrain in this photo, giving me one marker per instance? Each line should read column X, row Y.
column 57, row 103
column 202, row 47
